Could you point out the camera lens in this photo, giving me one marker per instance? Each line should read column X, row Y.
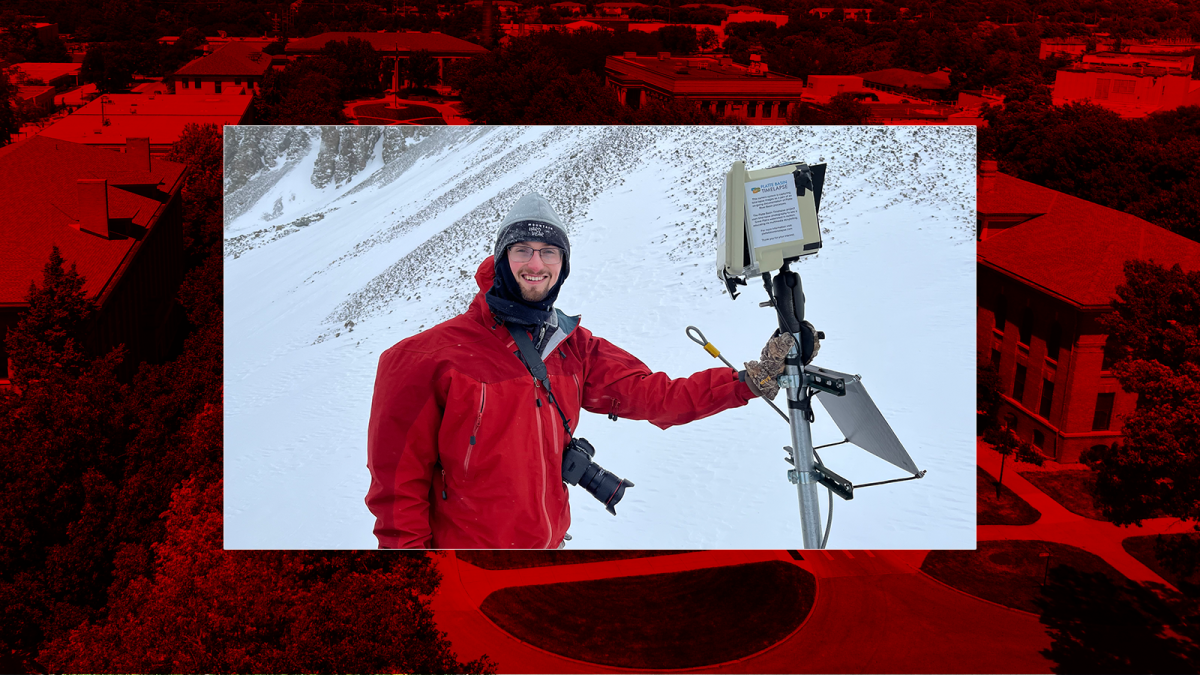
column 579, row 469
column 604, row 486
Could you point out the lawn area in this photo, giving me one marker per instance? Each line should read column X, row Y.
column 1008, row 509
column 513, row 560
column 697, row 618
column 1073, row 488
column 1010, row 573
column 1142, row 548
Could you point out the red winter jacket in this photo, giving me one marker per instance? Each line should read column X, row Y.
column 460, row 452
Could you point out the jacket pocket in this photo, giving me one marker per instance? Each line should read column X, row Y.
column 475, row 430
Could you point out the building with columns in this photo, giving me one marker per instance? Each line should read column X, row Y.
column 1049, row 265
column 715, row 83
column 394, row 46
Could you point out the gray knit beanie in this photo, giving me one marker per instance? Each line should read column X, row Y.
column 532, row 219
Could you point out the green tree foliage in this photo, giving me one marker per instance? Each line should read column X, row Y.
column 19, row 42
column 202, row 609
column 987, row 392
column 498, row 87
column 1006, row 442
column 421, row 70
column 843, row 108
column 501, row 86
column 305, row 92
column 1148, row 167
column 679, row 40
column 1155, row 331
column 199, row 147
column 361, row 67
column 61, row 437
column 9, row 122
column 112, row 66
column 574, row 99
column 48, row 338
column 277, row 47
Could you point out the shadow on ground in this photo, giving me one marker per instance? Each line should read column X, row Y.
column 698, row 618
column 1099, row 625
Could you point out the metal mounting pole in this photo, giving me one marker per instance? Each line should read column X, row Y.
column 787, row 295
column 799, row 403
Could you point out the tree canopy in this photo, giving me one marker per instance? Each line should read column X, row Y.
column 1155, row 331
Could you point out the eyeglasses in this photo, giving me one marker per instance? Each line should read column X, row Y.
column 551, row 255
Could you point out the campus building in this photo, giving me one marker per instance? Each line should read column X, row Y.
column 618, row 9
column 502, row 7
column 234, row 69
column 1049, row 265
column 1075, row 48
column 848, row 13
column 1179, row 64
column 748, row 93
column 1132, row 90
column 394, row 46
column 886, row 106
column 921, row 113
column 899, row 81
column 572, row 8
column 116, row 216
column 61, row 76
column 1072, row 47
column 111, row 119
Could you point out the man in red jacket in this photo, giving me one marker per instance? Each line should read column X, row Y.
column 465, row 447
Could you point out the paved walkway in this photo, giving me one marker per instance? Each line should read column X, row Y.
column 874, row 610
column 1060, row 525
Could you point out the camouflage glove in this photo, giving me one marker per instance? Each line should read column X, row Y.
column 761, row 376
column 808, row 330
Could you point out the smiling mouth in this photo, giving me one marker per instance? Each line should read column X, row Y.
column 535, row 280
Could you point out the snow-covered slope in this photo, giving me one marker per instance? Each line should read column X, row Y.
column 323, row 275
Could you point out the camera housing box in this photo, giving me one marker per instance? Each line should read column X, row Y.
column 767, row 217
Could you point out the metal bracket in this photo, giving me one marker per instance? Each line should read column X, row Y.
column 825, row 383
column 789, row 381
column 836, row 484
column 731, row 283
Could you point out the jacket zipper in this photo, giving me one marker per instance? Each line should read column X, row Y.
column 578, row 390
column 478, row 420
column 542, row 457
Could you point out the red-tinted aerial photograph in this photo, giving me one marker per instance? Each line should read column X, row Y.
column 161, row 512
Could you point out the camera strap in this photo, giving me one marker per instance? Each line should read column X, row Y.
column 536, row 367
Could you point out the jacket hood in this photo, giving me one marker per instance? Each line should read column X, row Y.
column 485, row 276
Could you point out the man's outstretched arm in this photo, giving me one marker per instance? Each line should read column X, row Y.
column 618, row 383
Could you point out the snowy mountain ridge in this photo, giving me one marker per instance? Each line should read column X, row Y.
column 570, row 166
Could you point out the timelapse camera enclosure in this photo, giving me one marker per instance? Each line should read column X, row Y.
column 767, row 217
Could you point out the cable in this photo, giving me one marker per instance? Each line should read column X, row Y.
column 829, row 522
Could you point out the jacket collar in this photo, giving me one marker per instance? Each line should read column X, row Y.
column 481, row 313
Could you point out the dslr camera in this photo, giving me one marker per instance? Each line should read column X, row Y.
column 579, row 469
